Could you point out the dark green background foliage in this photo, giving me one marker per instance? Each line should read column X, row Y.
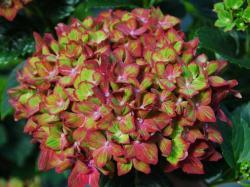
column 18, row 157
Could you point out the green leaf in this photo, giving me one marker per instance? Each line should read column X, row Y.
column 235, row 147
column 219, row 7
column 221, row 43
column 226, row 146
column 233, row 4
column 246, row 14
column 241, row 132
column 5, row 107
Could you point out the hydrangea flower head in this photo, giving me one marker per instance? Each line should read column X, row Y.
column 121, row 92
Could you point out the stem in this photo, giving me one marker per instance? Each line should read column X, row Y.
column 247, row 44
column 237, row 42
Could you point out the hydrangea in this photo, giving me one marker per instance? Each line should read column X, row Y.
column 9, row 8
column 121, row 92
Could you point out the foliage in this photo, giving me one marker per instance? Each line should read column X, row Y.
column 233, row 13
column 198, row 18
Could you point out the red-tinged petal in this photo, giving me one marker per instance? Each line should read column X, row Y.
column 187, row 55
column 162, row 120
column 160, row 68
column 193, row 166
column 222, row 65
column 53, row 142
column 215, row 156
column 116, row 150
column 90, row 123
column 84, row 90
column 216, row 81
column 166, row 84
column 131, row 70
column 79, row 134
column 116, row 36
column 212, row 67
column 81, row 176
column 169, row 108
column 168, row 22
column 188, row 92
column 85, row 107
column 98, row 36
column 173, row 36
column 204, row 97
column 139, row 31
column 30, row 126
column 95, row 139
column 199, row 149
column 193, row 134
column 200, row 83
column 141, row 166
column 101, row 156
column 129, row 151
column 54, row 105
column 222, row 116
column 146, row 152
column 214, row 135
column 167, row 131
column 165, row 145
column 88, row 22
column 135, row 48
column 173, row 71
column 45, row 158
column 189, row 112
column 148, row 100
column 166, row 54
column 193, row 43
column 124, row 168
column 62, row 166
column 127, row 123
column 205, row 114
column 39, row 41
column 72, row 120
column 146, row 82
column 45, row 119
column 149, row 125
column 141, row 14
column 170, row 168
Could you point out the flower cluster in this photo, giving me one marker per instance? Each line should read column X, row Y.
column 233, row 14
column 9, row 8
column 118, row 92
